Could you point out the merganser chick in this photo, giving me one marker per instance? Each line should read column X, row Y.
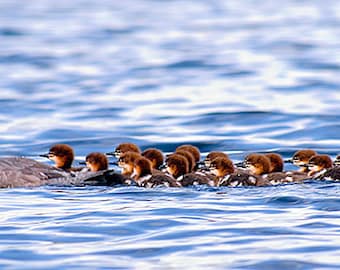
column 63, row 156
column 123, row 148
column 276, row 162
column 212, row 155
column 301, row 158
column 177, row 166
column 324, row 171
column 190, row 158
column 126, row 162
column 227, row 175
column 319, row 165
column 192, row 149
column 99, row 162
column 155, row 156
column 142, row 175
column 260, row 164
column 257, row 163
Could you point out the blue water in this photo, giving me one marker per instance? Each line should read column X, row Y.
column 237, row 76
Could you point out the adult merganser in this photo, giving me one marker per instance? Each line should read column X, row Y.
column 123, row 148
column 142, row 175
column 63, row 156
column 25, row 172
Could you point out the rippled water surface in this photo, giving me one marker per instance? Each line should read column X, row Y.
column 236, row 76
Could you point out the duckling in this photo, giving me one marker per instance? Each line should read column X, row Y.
column 126, row 162
column 63, row 156
column 227, row 175
column 322, row 166
column 212, row 155
column 142, row 175
column 192, row 149
column 325, row 171
column 257, row 163
column 123, row 148
column 301, row 158
column 190, row 158
column 155, row 156
column 260, row 164
column 177, row 166
column 99, row 162
column 276, row 162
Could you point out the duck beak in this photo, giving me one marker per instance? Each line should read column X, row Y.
column 289, row 160
column 110, row 153
column 201, row 165
column 240, row 165
column 44, row 155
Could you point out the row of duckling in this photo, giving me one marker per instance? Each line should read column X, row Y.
column 183, row 167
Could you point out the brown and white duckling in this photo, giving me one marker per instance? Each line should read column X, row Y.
column 126, row 162
column 260, row 164
column 123, row 148
column 228, row 175
column 257, row 164
column 98, row 162
column 155, row 156
column 192, row 149
column 190, row 158
column 326, row 172
column 142, row 175
column 212, row 155
column 276, row 162
column 177, row 166
column 321, row 166
column 301, row 158
column 63, row 156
